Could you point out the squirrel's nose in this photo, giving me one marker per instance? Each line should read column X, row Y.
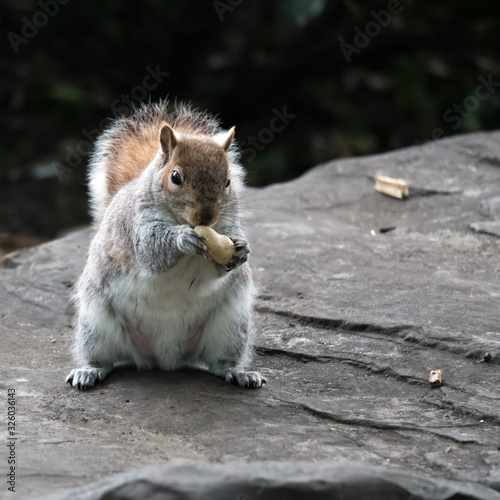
column 205, row 217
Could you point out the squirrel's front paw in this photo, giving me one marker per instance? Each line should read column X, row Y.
column 240, row 256
column 189, row 241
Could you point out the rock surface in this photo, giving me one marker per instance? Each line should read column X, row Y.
column 272, row 481
column 362, row 296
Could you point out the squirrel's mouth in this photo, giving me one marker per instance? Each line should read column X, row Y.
column 200, row 221
column 199, row 217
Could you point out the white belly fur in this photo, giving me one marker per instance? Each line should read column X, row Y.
column 164, row 315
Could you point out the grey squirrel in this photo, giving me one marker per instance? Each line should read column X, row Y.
column 149, row 294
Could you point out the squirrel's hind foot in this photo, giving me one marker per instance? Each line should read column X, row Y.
column 252, row 380
column 87, row 377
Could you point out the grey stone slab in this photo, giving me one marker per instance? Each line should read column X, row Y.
column 274, row 481
column 350, row 322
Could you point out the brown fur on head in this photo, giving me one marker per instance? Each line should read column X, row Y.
column 196, row 175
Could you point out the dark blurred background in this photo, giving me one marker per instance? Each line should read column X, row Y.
column 343, row 78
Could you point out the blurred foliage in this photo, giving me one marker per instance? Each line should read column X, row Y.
column 238, row 59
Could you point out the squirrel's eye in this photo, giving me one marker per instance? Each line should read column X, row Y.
column 228, row 182
column 176, row 178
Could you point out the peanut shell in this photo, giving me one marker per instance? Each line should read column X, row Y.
column 220, row 247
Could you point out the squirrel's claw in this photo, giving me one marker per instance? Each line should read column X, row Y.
column 252, row 380
column 240, row 256
column 191, row 242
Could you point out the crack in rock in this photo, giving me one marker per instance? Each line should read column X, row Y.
column 372, row 368
column 373, row 424
column 337, row 324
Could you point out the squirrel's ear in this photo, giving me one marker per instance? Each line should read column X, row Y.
column 168, row 139
column 225, row 139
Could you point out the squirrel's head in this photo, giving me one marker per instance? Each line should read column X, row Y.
column 195, row 177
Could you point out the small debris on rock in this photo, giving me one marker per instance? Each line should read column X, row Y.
column 53, row 341
column 397, row 188
column 436, row 378
column 449, row 448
